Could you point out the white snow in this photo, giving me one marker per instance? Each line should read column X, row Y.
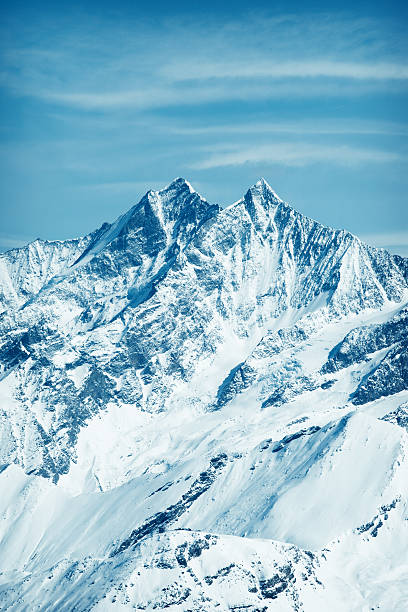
column 168, row 498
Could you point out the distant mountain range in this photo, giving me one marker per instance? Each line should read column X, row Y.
column 204, row 408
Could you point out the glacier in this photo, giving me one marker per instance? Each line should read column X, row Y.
column 204, row 408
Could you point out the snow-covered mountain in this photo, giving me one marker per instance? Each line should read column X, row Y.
column 204, row 409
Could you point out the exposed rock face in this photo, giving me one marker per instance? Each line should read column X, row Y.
column 192, row 367
column 363, row 340
column 387, row 377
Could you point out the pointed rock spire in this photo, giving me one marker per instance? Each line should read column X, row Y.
column 263, row 187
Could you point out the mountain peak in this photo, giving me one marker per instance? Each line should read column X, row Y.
column 262, row 187
column 178, row 184
column 203, row 367
column 179, row 203
column 262, row 183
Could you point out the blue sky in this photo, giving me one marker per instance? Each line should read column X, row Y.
column 102, row 101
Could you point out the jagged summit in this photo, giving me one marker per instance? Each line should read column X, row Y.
column 176, row 204
column 188, row 386
column 158, row 221
column 176, row 188
column 178, row 184
column 262, row 186
column 179, row 187
column 149, row 237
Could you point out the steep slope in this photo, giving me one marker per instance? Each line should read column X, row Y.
column 172, row 286
column 23, row 272
column 50, row 344
column 237, row 372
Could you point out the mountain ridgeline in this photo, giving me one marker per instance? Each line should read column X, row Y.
column 141, row 302
column 211, row 370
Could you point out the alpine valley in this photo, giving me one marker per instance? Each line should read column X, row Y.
column 204, row 408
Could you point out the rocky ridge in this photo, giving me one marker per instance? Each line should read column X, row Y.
column 189, row 367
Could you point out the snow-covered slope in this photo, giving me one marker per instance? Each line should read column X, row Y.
column 204, row 408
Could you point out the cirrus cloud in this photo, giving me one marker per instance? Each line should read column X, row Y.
column 294, row 154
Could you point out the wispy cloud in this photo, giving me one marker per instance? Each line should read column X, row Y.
column 319, row 126
column 260, row 58
column 299, row 69
column 105, row 102
column 170, row 95
column 294, row 154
